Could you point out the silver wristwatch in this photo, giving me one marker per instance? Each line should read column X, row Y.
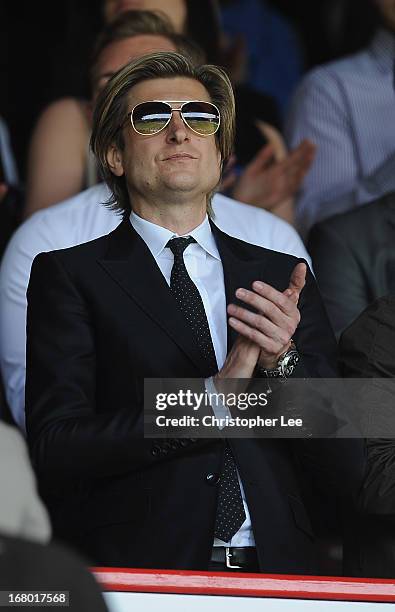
column 285, row 366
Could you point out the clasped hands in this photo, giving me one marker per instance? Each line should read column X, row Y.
column 266, row 334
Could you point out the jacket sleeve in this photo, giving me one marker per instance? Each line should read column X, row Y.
column 314, row 336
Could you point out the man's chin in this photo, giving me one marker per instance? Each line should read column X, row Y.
column 185, row 182
column 181, row 183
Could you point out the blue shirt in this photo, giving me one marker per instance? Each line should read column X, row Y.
column 347, row 108
column 274, row 52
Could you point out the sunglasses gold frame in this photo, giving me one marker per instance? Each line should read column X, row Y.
column 179, row 109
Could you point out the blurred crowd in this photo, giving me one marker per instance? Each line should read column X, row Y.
column 312, row 174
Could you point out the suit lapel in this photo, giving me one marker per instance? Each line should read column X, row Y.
column 131, row 265
column 240, row 267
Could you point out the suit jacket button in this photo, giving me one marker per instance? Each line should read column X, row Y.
column 212, row 478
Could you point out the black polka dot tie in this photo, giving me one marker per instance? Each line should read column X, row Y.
column 190, row 302
column 230, row 509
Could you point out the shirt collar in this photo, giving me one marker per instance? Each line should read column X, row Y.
column 382, row 48
column 156, row 237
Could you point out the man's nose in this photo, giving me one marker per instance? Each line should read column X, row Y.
column 177, row 131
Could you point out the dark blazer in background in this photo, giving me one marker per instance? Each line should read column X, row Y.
column 353, row 258
column 101, row 318
column 367, row 350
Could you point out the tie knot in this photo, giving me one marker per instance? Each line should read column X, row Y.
column 178, row 245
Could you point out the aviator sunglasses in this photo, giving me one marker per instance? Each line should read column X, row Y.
column 149, row 118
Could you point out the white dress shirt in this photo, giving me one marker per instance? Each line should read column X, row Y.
column 204, row 266
column 83, row 218
column 346, row 107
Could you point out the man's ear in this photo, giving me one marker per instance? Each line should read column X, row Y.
column 114, row 160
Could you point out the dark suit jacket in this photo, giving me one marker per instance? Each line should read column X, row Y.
column 353, row 258
column 367, row 350
column 101, row 318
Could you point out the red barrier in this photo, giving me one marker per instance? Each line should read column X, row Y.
column 245, row 585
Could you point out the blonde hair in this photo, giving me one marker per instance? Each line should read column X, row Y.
column 112, row 107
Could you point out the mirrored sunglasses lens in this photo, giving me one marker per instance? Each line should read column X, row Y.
column 201, row 117
column 150, row 117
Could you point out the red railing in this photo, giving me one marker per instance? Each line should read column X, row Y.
column 245, row 585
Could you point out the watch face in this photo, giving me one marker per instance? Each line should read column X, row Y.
column 285, row 367
column 289, row 362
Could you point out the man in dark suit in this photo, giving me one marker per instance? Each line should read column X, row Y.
column 150, row 300
column 354, row 259
column 366, row 351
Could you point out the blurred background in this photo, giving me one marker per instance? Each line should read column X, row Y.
column 44, row 48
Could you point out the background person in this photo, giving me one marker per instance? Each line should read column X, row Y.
column 274, row 51
column 354, row 259
column 60, row 164
column 366, row 352
column 347, row 109
column 22, row 513
column 10, row 190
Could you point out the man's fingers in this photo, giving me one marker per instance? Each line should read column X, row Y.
column 265, row 342
column 300, row 159
column 261, row 160
column 288, row 175
column 292, row 295
column 304, row 151
column 306, row 148
column 264, row 298
column 298, row 278
column 277, row 326
column 268, row 302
